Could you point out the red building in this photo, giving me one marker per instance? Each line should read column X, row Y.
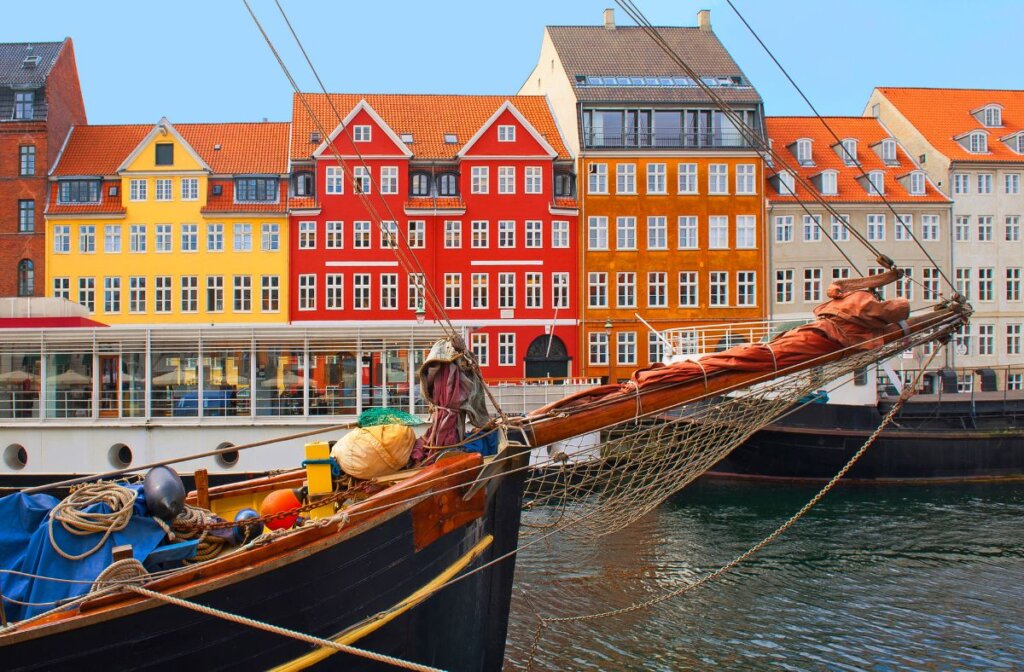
column 476, row 193
column 40, row 100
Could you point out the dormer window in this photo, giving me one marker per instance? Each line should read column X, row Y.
column 79, row 191
column 917, row 183
column 977, row 143
column 302, row 183
column 565, row 184
column 992, row 116
column 787, row 185
column 889, row 152
column 876, row 182
column 24, row 104
column 506, row 133
column 848, row 152
column 803, row 152
column 314, row 137
column 447, row 184
column 255, row 189
column 829, row 183
column 419, row 184
column 362, row 133
column 1020, row 143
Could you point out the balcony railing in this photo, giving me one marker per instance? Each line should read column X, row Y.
column 665, row 140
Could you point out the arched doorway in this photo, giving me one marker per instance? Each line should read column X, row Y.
column 547, row 358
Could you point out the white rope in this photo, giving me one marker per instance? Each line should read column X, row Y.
column 72, row 515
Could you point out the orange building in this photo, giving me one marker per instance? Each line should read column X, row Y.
column 671, row 202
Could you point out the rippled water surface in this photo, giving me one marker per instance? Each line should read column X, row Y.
column 874, row 578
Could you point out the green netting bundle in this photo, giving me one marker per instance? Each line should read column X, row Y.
column 374, row 417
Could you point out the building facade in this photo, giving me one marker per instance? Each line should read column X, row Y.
column 170, row 224
column 40, row 99
column 475, row 200
column 671, row 202
column 971, row 143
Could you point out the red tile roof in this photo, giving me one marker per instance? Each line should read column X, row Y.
column 260, row 148
column 784, row 131
column 302, row 203
column 441, row 203
column 427, row 116
column 943, row 114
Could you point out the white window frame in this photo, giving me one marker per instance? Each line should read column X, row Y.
column 687, row 178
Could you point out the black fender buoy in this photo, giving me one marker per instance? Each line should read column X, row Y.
column 165, row 493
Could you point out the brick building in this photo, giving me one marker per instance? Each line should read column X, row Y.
column 40, row 100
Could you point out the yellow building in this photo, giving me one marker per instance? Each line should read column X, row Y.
column 171, row 224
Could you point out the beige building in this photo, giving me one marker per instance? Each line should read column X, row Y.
column 971, row 143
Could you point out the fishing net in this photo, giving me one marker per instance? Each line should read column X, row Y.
column 374, row 417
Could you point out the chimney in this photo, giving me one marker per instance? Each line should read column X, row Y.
column 609, row 19
column 704, row 20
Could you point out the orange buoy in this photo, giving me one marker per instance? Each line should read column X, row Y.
column 278, row 501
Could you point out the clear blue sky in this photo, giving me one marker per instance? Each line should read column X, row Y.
column 205, row 61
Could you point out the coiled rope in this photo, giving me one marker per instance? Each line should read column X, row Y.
column 72, row 515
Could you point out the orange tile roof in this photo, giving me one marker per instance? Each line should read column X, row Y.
column 440, row 203
column 108, row 205
column 260, row 147
column 784, row 131
column 302, row 203
column 942, row 114
column 226, row 201
column 566, row 203
column 427, row 116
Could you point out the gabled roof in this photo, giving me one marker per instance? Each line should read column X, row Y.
column 941, row 115
column 12, row 56
column 245, row 148
column 362, row 106
column 428, row 117
column 164, row 126
column 507, row 106
column 629, row 51
column 867, row 131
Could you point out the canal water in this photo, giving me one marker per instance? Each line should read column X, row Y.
column 874, row 578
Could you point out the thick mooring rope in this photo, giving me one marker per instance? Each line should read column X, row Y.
column 72, row 515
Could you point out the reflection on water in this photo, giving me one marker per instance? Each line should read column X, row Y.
column 874, row 578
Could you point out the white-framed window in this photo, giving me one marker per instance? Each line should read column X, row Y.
column 560, row 290
column 961, row 183
column 190, row 237
column 137, row 189
column 876, row 227
column 506, row 290
column 87, row 293
column 361, row 235
column 597, row 350
column 787, row 184
column 625, row 233
column 930, row 283
column 479, row 284
column 534, row 230
column 1012, row 228
column 962, row 280
column 162, row 294
column 812, row 285
column 829, row 183
column 137, row 294
column 362, row 133
column 1011, row 181
column 977, row 143
column 137, row 238
column 452, row 234
column 189, row 296
column 840, row 227
column 534, row 290
column 414, row 291
column 389, row 179
column 746, row 288
column 506, row 349
column 812, row 228
column 889, row 151
column 506, row 233
column 362, row 180
column 307, row 235
column 803, row 152
column 334, row 235
column 986, row 339
column 876, row 182
column 597, row 233
column 719, row 288
column 905, row 284
column 214, row 237
column 334, row 290
column 917, row 183
column 597, row 290
column 87, row 238
column 388, row 235
column 625, row 350
column 930, row 227
column 480, row 347
column 904, row 227
column 687, row 178
column 597, row 178
column 689, row 289
column 190, row 188
column 242, row 237
column 506, row 133
column 242, row 293
column 992, row 116
column 625, row 178
column 962, row 228
column 270, row 237
column 361, row 291
column 656, row 178
column 1013, row 275
column 389, row 291
column 687, row 232
column 61, row 239
column 718, row 232
column 745, row 178
column 877, row 270
column 625, row 289
column 984, row 183
column 1013, row 346
column 657, row 289
column 784, row 285
column 417, row 234
column 986, row 289
column 784, row 228
column 962, row 342
column 164, row 189
column 480, row 234
column 111, row 294
column 848, row 151
column 112, row 238
column 985, row 228
column 534, row 180
column 718, row 178
column 506, row 179
column 307, row 291
column 215, row 293
column 746, row 232
column 657, row 233
column 840, row 273
column 479, row 179
column 1015, row 381
column 334, row 180
column 655, row 348
column 453, row 290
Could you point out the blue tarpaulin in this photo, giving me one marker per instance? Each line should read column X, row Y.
column 485, row 444
column 25, row 547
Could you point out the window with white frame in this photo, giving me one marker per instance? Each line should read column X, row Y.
column 137, row 238
column 389, row 235
column 1013, row 344
column 534, row 180
column 812, row 228
column 389, row 179
column 656, row 178
column 597, row 178
column 803, row 152
column 61, row 239
column 784, row 285
column 334, row 235
column 992, row 116
column 534, row 229
column 718, row 178
column 190, row 188
column 657, row 289
column 962, row 342
column 362, row 180
column 162, row 294
column 480, row 234
column 655, row 348
column 625, row 289
column 977, row 143
column 559, row 234
column 62, row 288
column 718, row 232
column 479, row 179
column 87, row 238
column 625, row 178
column 1015, row 381
column 812, row 285
column 190, row 238
column 986, row 339
column 534, row 290
column 904, row 227
column 416, row 234
column 962, row 228
column 1013, row 275
column 214, row 237
column 480, row 347
column 414, row 291
column 241, row 293
column 307, row 235
column 164, row 189
column 362, row 133
column 687, row 232
column 560, row 290
column 506, row 290
column 241, row 237
column 889, row 151
column 985, row 228
column 984, row 183
column 986, row 289
column 334, row 287
column 597, row 290
column 877, row 270
column 746, row 232
column 137, row 294
column 506, row 179
column 840, row 273
column 746, row 288
column 597, row 233
column 917, row 183
column 189, row 287
column 930, row 227
column 389, row 291
column 687, row 178
column 745, row 182
column 784, row 228
column 452, row 290
column 361, row 291
column 719, row 284
column 930, row 283
column 270, row 237
column 137, row 189
column 688, row 289
column 506, row 133
column 270, row 293
column 215, row 293
column 657, row 233
column 848, row 151
column 625, row 233
column 840, row 227
column 961, row 183
column 506, row 349
column 479, row 283
column 962, row 280
column 112, row 238
column 876, row 182
column 876, row 227
column 829, row 183
column 787, row 183
column 506, row 233
column 361, row 235
column 598, row 348
column 87, row 293
column 452, row 234
column 625, row 350
column 307, row 291
column 905, row 284
column 1011, row 181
